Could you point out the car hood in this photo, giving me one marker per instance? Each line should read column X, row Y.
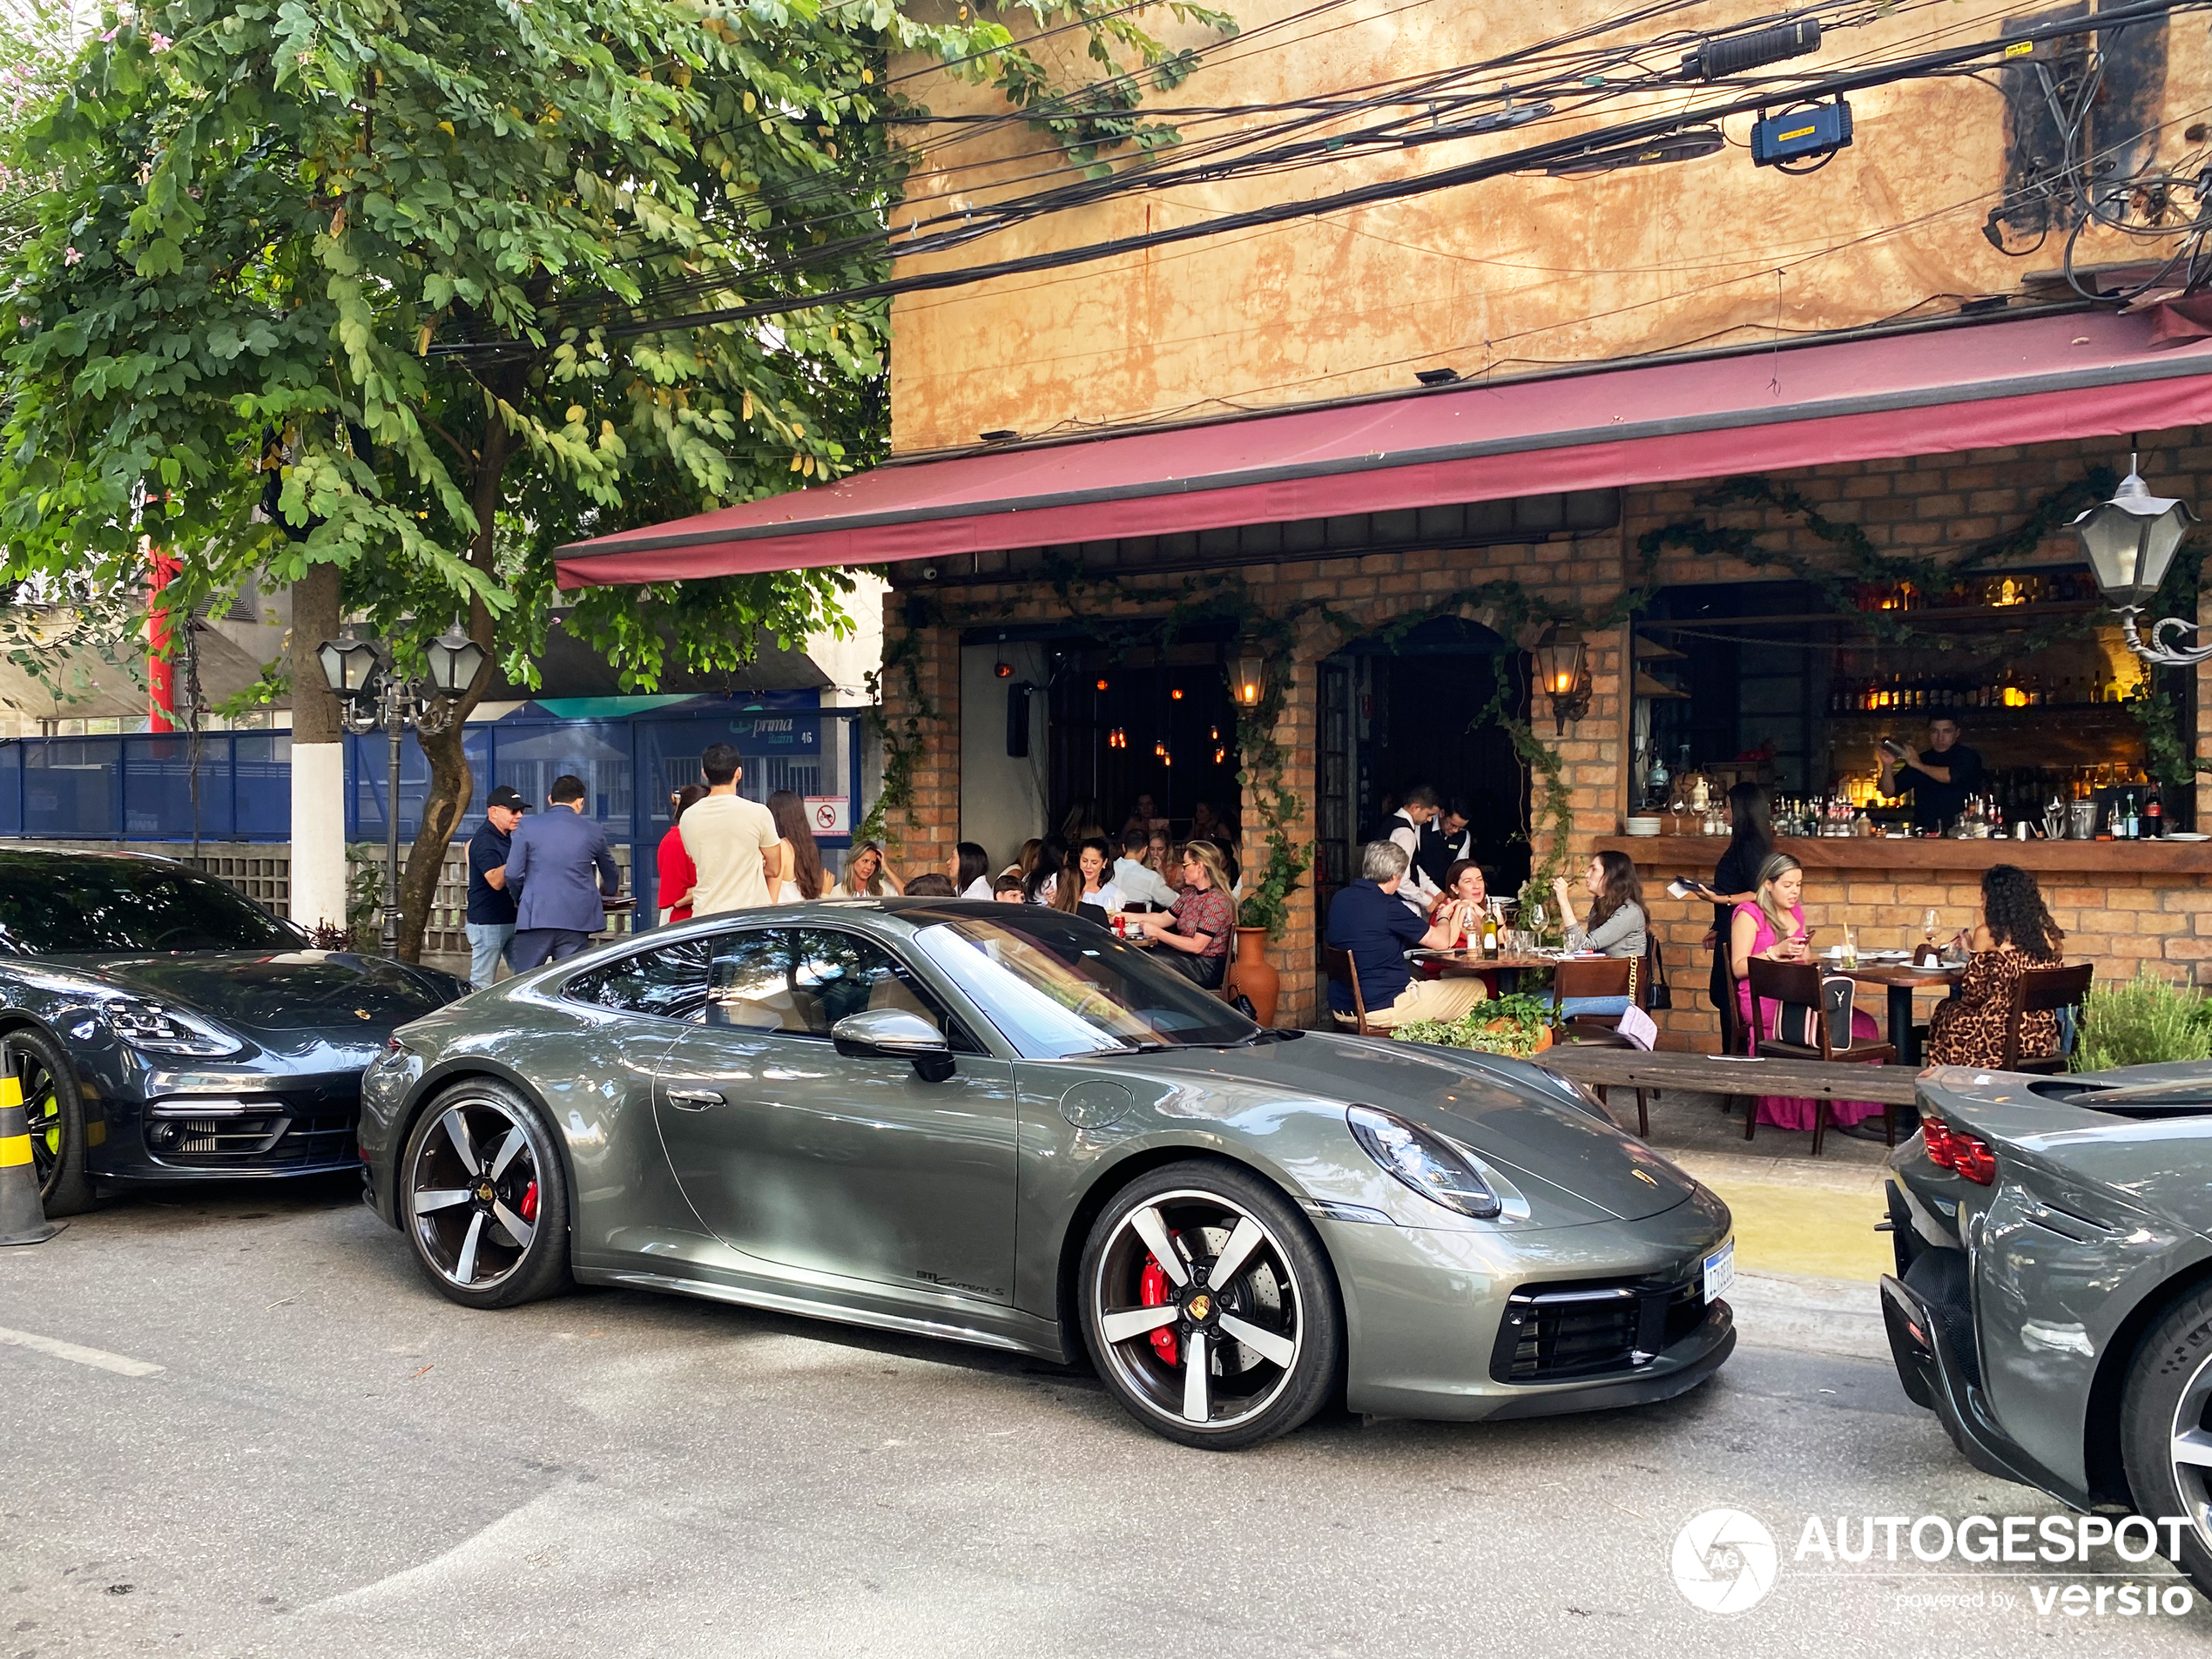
column 1582, row 1166
column 282, row 995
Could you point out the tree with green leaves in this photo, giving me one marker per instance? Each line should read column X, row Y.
column 367, row 259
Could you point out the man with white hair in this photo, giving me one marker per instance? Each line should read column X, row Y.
column 1370, row 920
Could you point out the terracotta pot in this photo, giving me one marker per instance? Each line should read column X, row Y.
column 1254, row 975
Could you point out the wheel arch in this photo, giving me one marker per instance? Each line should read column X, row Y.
column 1112, row 1179
column 2105, row 1475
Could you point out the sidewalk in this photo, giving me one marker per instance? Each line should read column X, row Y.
column 1807, row 1256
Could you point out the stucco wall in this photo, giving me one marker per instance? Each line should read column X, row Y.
column 1503, row 275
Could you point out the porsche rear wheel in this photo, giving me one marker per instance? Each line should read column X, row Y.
column 2166, row 1430
column 483, row 1197
column 56, row 1114
column 1210, row 1307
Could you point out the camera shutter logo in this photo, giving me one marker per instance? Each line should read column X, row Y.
column 1724, row 1561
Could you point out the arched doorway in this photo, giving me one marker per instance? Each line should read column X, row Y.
column 1400, row 712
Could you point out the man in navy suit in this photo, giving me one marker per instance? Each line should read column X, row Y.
column 550, row 869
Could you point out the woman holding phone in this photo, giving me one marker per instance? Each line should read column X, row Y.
column 1772, row 924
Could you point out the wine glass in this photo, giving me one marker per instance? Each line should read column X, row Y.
column 1928, row 926
column 1536, row 921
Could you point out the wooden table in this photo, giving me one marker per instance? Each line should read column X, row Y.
column 1721, row 1075
column 1902, row 982
column 1473, row 964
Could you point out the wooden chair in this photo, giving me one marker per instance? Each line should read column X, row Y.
column 2043, row 990
column 1337, row 963
column 1609, row 976
column 1785, row 983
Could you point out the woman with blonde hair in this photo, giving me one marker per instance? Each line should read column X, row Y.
column 1772, row 924
column 1198, row 929
column 867, row 874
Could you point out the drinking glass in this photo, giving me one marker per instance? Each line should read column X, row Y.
column 1928, row 926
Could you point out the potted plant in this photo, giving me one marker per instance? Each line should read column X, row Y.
column 1508, row 1025
column 1261, row 919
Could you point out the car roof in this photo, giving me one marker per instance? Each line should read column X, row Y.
column 34, row 857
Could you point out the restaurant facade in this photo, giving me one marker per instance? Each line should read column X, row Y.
column 1284, row 523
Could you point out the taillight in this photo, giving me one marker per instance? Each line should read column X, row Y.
column 1961, row 1153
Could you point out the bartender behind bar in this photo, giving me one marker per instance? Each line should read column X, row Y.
column 1940, row 777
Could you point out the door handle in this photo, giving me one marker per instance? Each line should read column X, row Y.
column 694, row 1100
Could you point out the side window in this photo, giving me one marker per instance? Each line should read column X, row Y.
column 670, row 982
column 836, row 974
column 749, row 983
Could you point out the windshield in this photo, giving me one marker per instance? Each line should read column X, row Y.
column 73, row 907
column 1057, row 985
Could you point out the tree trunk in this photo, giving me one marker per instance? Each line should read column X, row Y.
column 318, row 878
column 452, row 782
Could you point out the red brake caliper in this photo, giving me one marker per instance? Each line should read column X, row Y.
column 529, row 1211
column 1154, row 1292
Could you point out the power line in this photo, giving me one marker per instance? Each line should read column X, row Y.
column 1602, row 140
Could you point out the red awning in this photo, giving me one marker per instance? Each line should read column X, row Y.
column 1978, row 386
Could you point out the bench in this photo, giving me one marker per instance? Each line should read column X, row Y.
column 1725, row 1075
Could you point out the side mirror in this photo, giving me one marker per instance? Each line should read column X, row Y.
column 893, row 1034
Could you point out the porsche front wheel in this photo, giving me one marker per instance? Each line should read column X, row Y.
column 1210, row 1308
column 483, row 1197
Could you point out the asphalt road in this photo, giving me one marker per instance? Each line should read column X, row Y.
column 334, row 1461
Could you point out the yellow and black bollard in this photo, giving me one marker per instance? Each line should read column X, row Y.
column 22, row 1219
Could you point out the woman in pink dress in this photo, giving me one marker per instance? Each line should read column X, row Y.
column 1773, row 925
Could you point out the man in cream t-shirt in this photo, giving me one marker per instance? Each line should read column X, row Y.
column 730, row 838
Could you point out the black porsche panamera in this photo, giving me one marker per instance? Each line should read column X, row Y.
column 166, row 1029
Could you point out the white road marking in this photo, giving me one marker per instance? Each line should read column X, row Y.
column 99, row 1359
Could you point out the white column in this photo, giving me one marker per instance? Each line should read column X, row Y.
column 318, row 834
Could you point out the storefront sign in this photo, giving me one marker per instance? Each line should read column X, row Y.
column 762, row 734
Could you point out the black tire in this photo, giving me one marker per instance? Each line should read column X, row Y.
column 2168, row 1396
column 494, row 1231
column 1271, row 1340
column 56, row 1110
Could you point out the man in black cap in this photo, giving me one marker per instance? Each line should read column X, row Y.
column 491, row 907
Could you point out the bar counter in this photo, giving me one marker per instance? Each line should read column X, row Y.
column 2124, row 904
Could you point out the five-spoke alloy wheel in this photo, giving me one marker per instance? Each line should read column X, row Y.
column 2166, row 1430
column 1210, row 1308
column 56, row 1114
column 484, row 1197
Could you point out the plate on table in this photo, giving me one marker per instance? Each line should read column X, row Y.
column 2191, row 835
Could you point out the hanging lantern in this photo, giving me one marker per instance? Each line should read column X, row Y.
column 1248, row 675
column 1563, row 673
column 2131, row 540
column 1102, row 684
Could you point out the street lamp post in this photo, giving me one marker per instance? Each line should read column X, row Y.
column 363, row 679
column 2130, row 542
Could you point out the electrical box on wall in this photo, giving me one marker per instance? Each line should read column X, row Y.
column 1801, row 134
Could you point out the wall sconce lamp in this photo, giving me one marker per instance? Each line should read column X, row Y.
column 1563, row 672
column 1248, row 675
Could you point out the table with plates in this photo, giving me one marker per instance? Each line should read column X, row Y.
column 1473, row 964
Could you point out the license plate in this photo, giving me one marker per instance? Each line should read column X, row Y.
column 1720, row 1272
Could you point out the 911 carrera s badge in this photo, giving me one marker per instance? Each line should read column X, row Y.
column 1201, row 1304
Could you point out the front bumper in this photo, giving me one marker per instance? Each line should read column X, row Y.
column 1431, row 1313
column 1935, row 1375
column 235, row 1124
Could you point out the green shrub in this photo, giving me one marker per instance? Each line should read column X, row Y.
column 1510, row 1025
column 2141, row 1021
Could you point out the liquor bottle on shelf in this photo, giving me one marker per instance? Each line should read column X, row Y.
column 2155, row 814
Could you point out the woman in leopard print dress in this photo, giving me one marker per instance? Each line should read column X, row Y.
column 2015, row 933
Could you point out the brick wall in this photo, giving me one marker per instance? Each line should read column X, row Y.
column 1922, row 504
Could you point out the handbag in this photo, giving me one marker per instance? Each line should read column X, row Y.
column 1657, row 995
column 1799, row 1024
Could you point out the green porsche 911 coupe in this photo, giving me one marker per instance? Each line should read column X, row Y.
column 1000, row 1124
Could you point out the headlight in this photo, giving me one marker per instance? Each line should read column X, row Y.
column 1423, row 1161
column 155, row 1029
